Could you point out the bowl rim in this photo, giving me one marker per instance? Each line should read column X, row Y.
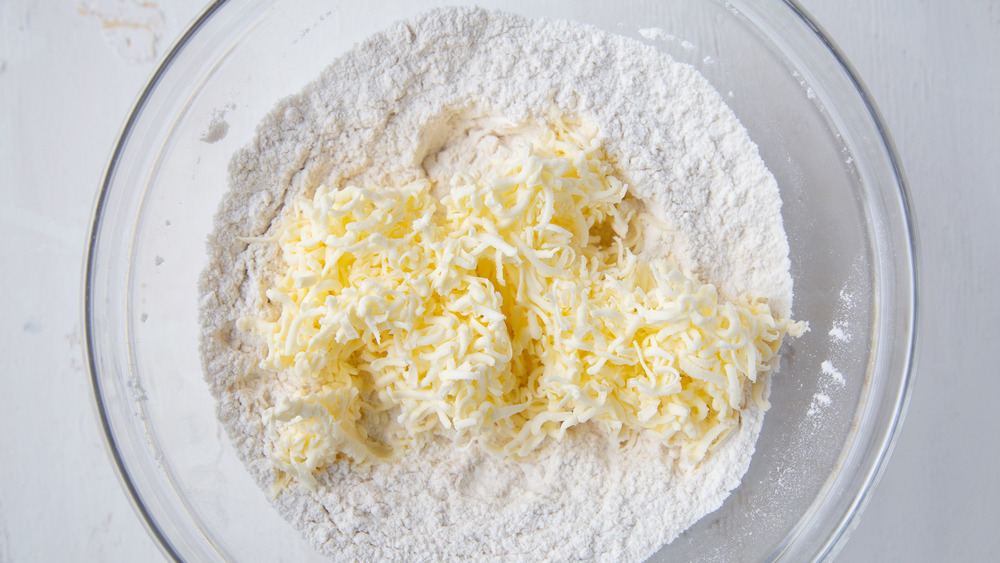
column 110, row 443
column 850, row 521
column 889, row 436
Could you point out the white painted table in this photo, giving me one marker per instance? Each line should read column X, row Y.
column 68, row 76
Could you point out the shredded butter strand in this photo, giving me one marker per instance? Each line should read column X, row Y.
column 508, row 312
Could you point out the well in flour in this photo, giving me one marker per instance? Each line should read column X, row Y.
column 424, row 99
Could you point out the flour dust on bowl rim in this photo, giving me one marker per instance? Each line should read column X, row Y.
column 836, row 403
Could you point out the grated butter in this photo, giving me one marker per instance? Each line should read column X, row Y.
column 502, row 315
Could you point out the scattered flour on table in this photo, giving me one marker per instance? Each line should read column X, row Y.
column 654, row 33
column 819, row 402
column 440, row 93
column 217, row 128
column 839, row 332
column 832, row 382
column 828, row 369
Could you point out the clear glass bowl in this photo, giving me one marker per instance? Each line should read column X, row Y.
column 845, row 212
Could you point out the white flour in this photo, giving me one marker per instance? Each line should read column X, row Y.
column 431, row 96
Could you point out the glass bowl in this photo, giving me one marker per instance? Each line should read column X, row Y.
column 823, row 444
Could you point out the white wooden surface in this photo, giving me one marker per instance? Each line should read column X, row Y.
column 70, row 71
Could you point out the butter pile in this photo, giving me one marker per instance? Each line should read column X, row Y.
column 502, row 315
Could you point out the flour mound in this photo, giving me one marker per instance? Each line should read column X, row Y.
column 426, row 98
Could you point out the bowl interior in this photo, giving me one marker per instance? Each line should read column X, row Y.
column 835, row 400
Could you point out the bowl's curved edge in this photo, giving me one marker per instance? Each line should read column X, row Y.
column 87, row 312
column 874, row 473
column 860, row 502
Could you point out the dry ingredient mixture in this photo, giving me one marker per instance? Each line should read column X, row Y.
column 497, row 288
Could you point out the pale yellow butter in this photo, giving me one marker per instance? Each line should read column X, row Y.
column 502, row 315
